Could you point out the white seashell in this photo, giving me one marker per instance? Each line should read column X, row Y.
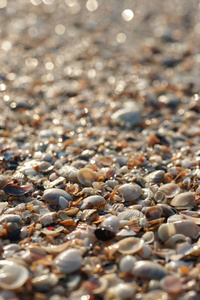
column 68, row 261
column 12, row 275
column 130, row 191
column 3, row 205
column 126, row 263
column 111, row 222
column 10, row 218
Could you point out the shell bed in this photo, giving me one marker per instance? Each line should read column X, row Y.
column 99, row 150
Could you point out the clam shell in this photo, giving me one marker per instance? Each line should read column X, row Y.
column 68, row 261
column 111, row 222
column 183, row 199
column 130, row 191
column 16, row 190
column 155, row 176
column 130, row 245
column 148, row 270
column 12, row 275
column 170, row 189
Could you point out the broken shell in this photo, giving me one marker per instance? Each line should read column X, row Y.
column 171, row 284
column 170, row 189
column 68, row 261
column 148, row 237
column 97, row 202
column 153, row 212
column 183, row 199
column 12, row 275
column 16, row 190
column 57, row 197
column 130, row 245
column 148, row 270
column 86, row 176
column 130, row 191
column 190, row 215
column 172, row 241
column 126, row 263
column 185, row 227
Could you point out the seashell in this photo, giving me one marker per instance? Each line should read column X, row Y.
column 104, row 234
column 190, row 215
column 45, row 167
column 125, row 233
column 43, row 282
column 185, row 227
column 170, row 189
column 145, row 252
column 130, row 245
column 95, row 202
column 73, row 281
column 123, row 291
column 171, row 284
column 167, row 210
column 3, row 205
column 160, row 197
column 3, row 181
column 155, row 176
column 148, row 237
column 130, row 191
column 10, row 218
column 68, row 261
column 130, row 214
column 55, row 249
column 86, row 214
column 126, row 263
column 86, row 176
column 173, row 240
column 153, row 212
column 57, row 197
column 55, row 232
column 183, row 199
column 155, row 294
column 16, row 190
column 148, row 270
column 12, row 275
column 69, row 172
column 127, row 116
column 111, row 222
column 175, row 218
column 48, row 218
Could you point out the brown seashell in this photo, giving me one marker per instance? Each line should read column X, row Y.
column 183, row 199
column 153, row 212
column 86, row 176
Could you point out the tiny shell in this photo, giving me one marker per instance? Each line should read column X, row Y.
column 68, row 261
column 130, row 191
column 12, row 275
column 86, row 176
column 97, row 202
column 148, row 270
